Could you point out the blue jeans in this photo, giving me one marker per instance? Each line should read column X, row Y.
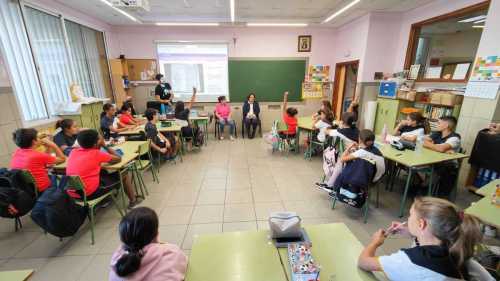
column 223, row 123
column 164, row 108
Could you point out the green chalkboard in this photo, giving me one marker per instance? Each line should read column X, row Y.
column 267, row 78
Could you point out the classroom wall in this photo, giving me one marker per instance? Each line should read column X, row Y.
column 454, row 47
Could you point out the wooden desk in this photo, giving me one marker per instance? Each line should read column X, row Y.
column 486, row 211
column 16, row 275
column 488, row 189
column 249, row 256
column 415, row 160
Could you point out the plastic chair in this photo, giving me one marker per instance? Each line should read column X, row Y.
column 286, row 143
column 74, row 182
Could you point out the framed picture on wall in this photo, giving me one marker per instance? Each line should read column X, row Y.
column 304, row 43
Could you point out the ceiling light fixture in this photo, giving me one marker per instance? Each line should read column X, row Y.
column 277, row 24
column 120, row 11
column 187, row 23
column 341, row 11
column 480, row 21
column 473, row 19
column 478, row 26
column 231, row 4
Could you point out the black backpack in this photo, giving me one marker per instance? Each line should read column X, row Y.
column 57, row 213
column 14, row 190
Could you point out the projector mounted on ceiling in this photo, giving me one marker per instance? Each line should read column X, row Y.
column 133, row 5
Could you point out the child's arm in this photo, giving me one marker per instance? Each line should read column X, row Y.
column 348, row 154
column 367, row 259
column 193, row 99
column 443, row 147
column 285, row 102
column 115, row 157
column 60, row 157
column 157, row 148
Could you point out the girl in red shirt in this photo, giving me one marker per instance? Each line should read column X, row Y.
column 126, row 117
column 289, row 118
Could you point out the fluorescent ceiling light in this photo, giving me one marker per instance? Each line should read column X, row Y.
column 480, row 21
column 478, row 26
column 120, row 11
column 277, row 24
column 232, row 10
column 187, row 23
column 341, row 11
column 473, row 19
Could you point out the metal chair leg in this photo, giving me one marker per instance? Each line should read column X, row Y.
column 91, row 218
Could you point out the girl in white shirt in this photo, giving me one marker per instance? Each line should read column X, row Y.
column 445, row 239
column 412, row 127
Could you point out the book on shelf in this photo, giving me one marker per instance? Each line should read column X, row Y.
column 430, row 111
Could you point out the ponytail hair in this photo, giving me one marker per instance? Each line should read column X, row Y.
column 105, row 108
column 349, row 119
column 458, row 232
column 63, row 124
column 137, row 229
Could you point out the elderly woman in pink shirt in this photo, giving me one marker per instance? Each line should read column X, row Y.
column 142, row 257
column 223, row 113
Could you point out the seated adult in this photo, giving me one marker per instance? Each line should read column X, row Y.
column 86, row 161
column 251, row 111
column 26, row 157
column 223, row 113
column 411, row 128
column 65, row 135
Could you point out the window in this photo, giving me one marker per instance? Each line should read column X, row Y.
column 47, row 41
column 444, row 48
column 46, row 54
column 17, row 54
column 200, row 65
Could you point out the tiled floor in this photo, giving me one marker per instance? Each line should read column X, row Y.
column 227, row 186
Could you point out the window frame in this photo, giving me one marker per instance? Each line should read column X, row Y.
column 411, row 49
column 63, row 18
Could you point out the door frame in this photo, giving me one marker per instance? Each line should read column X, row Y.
column 336, row 83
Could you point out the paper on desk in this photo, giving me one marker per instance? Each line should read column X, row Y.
column 391, row 138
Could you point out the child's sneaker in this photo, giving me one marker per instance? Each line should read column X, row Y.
column 221, row 138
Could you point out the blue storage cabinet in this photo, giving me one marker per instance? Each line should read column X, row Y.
column 387, row 89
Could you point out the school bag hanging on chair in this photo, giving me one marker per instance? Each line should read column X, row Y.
column 57, row 213
column 329, row 160
column 16, row 192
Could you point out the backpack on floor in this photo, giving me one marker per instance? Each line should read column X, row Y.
column 15, row 191
column 57, row 213
column 329, row 160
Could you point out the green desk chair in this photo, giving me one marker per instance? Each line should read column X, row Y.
column 286, row 143
column 141, row 165
column 74, row 182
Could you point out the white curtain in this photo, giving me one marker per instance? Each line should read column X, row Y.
column 17, row 54
column 48, row 43
column 77, row 51
column 90, row 41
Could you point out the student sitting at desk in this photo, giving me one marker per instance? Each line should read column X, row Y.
column 325, row 105
column 411, row 128
column 347, row 131
column 160, row 143
column 110, row 125
column 445, row 140
column 182, row 113
column 126, row 117
column 141, row 256
column 26, row 157
column 65, row 135
column 324, row 122
column 289, row 118
column 86, row 161
column 445, row 238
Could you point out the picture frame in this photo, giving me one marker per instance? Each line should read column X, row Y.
column 304, row 43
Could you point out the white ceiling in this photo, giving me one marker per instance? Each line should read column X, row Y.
column 312, row 12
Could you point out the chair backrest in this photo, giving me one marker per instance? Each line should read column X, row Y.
column 281, row 126
column 144, row 148
column 28, row 177
column 75, row 182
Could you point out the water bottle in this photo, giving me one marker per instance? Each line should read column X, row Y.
column 419, row 144
column 384, row 134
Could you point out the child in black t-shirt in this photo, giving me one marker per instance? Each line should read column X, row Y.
column 159, row 143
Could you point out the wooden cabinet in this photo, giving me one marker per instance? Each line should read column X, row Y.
column 90, row 116
column 388, row 111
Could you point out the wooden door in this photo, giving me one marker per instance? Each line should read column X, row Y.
column 338, row 91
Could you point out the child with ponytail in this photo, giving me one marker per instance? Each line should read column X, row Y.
column 142, row 257
column 445, row 239
column 65, row 135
